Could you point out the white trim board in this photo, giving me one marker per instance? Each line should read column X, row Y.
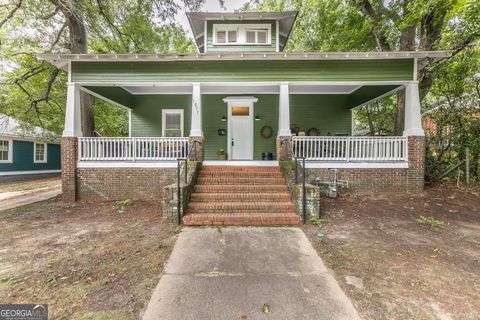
column 239, row 163
column 10, row 150
column 164, row 119
column 125, row 164
column 14, row 173
column 45, row 152
column 356, row 165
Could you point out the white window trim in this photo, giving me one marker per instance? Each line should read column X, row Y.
column 45, row 158
column 242, row 33
column 164, row 112
column 10, row 151
column 256, row 30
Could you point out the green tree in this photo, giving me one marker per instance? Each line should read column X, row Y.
column 362, row 25
column 35, row 91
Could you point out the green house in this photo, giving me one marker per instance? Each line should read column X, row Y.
column 246, row 101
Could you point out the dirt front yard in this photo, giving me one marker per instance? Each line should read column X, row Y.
column 393, row 266
column 87, row 261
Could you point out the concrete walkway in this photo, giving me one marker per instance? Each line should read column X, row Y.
column 230, row 273
column 32, row 196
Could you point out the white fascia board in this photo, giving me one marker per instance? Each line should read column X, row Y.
column 131, row 164
column 356, row 165
column 14, row 173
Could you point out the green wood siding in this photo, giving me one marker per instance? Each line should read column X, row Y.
column 23, row 158
column 243, row 47
column 327, row 113
column 268, row 70
column 147, row 113
column 214, row 109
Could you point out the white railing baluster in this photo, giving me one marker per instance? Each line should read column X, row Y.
column 122, row 149
column 374, row 149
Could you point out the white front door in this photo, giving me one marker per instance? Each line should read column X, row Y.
column 240, row 128
column 241, row 141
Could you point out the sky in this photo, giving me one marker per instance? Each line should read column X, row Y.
column 210, row 6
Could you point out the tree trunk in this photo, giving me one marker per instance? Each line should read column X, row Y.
column 78, row 44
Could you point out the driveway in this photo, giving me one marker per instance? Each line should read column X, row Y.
column 247, row 273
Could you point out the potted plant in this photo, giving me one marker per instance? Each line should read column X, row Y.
column 222, row 155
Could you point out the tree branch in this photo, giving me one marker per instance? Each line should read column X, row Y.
column 366, row 8
column 111, row 24
column 11, row 13
column 58, row 36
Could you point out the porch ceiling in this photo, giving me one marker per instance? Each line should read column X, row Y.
column 357, row 94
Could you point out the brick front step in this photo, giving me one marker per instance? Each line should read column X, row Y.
column 238, row 169
column 242, row 197
column 227, row 195
column 239, row 181
column 227, row 207
column 241, row 174
column 239, row 188
column 244, row 219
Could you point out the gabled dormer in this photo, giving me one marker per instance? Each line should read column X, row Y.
column 241, row 31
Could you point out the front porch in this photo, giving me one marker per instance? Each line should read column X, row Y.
column 315, row 118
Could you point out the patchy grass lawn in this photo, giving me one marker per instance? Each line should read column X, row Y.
column 87, row 261
column 394, row 264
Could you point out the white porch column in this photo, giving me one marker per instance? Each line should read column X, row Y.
column 284, row 111
column 73, row 123
column 413, row 117
column 196, row 123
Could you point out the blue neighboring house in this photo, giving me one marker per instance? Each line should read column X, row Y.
column 26, row 149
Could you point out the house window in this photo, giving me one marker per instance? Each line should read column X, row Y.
column 239, row 34
column 5, row 151
column 257, row 36
column 40, row 152
column 225, row 36
column 172, row 123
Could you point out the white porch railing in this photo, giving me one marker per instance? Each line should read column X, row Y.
column 122, row 149
column 373, row 149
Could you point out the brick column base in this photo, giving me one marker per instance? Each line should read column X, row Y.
column 416, row 164
column 198, row 150
column 69, row 168
column 284, row 149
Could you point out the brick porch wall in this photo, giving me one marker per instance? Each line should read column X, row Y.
column 368, row 181
column 69, row 166
column 148, row 183
column 123, row 183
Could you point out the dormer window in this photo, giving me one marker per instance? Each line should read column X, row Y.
column 257, row 36
column 242, row 34
column 226, row 35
